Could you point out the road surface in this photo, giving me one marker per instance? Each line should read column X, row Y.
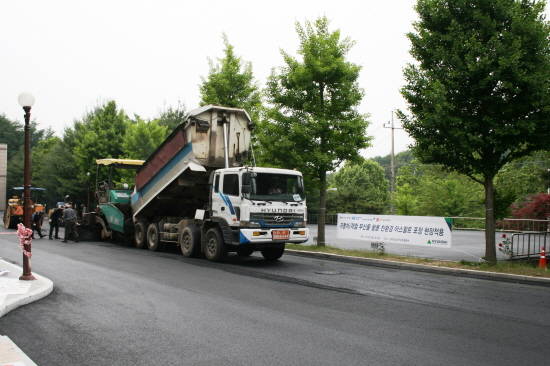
column 114, row 305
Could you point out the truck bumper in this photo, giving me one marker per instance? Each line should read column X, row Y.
column 260, row 235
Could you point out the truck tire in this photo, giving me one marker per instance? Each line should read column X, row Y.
column 140, row 234
column 245, row 251
column 272, row 254
column 190, row 241
column 214, row 249
column 153, row 237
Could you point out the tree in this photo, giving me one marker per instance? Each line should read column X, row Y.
column 12, row 133
column 402, row 158
column 479, row 95
column 142, row 138
column 361, row 188
column 48, row 170
column 313, row 123
column 534, row 207
column 429, row 190
column 100, row 134
column 525, row 176
column 172, row 117
column 405, row 198
column 231, row 83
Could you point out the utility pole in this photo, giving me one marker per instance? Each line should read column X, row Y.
column 391, row 125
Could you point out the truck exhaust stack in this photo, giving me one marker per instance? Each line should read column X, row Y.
column 225, row 138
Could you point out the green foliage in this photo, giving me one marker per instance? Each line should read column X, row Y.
column 479, row 94
column 100, row 134
column 172, row 117
column 231, row 83
column 524, row 176
column 361, row 188
column 142, row 138
column 425, row 190
column 401, row 158
column 419, row 185
column 313, row 124
column 54, row 169
column 12, row 133
column 405, row 200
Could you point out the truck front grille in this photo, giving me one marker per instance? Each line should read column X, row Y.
column 276, row 219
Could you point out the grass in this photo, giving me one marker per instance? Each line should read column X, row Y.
column 516, row 267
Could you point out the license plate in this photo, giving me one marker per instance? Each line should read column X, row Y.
column 280, row 234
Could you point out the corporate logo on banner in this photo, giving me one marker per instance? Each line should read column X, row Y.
column 413, row 230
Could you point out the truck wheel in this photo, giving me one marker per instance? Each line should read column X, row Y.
column 153, row 237
column 272, row 254
column 190, row 243
column 140, row 234
column 214, row 249
column 245, row 251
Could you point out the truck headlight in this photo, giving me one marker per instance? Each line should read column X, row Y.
column 300, row 224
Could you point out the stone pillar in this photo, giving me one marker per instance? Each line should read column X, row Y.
column 3, row 175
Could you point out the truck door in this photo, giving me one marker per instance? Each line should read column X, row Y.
column 217, row 200
column 230, row 196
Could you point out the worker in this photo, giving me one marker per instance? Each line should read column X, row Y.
column 37, row 224
column 69, row 217
column 54, row 222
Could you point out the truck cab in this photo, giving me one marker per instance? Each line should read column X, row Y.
column 260, row 205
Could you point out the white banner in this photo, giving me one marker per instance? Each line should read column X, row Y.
column 413, row 230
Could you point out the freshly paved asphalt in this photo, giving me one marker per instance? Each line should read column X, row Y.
column 123, row 306
column 468, row 245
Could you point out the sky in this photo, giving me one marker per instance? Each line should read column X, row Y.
column 147, row 55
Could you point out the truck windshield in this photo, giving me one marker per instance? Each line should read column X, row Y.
column 274, row 187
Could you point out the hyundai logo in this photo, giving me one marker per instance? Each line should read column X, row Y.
column 278, row 218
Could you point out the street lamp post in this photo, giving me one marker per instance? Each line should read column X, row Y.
column 26, row 101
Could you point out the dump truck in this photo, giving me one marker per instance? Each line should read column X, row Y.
column 195, row 191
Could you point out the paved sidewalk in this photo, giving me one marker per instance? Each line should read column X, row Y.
column 15, row 293
column 11, row 355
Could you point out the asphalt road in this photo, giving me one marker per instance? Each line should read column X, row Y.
column 468, row 245
column 114, row 305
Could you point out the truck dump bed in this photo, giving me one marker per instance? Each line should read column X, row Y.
column 183, row 160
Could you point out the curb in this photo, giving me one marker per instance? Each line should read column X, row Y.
column 493, row 276
column 44, row 286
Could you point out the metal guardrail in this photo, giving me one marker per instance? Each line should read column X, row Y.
column 330, row 219
column 528, row 245
column 507, row 224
